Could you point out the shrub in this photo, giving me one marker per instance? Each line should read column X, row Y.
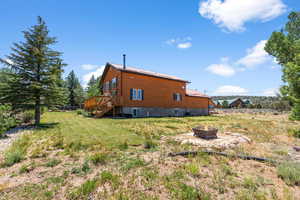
column 83, row 191
column 52, row 163
column 79, row 112
column 290, row 173
column 123, row 146
column 108, row 177
column 13, row 157
column 7, row 121
column 85, row 166
column 27, row 116
column 99, row 158
column 295, row 133
column 149, row 144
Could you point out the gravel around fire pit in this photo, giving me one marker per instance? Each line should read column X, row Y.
column 224, row 141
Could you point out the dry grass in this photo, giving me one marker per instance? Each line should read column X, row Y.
column 73, row 157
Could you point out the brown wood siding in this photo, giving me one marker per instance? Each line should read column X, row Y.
column 158, row 92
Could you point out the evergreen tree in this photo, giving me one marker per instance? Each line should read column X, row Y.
column 36, row 70
column 285, row 47
column 93, row 88
column 225, row 104
column 75, row 90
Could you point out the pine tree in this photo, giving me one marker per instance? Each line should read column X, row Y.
column 93, row 88
column 76, row 92
column 36, row 69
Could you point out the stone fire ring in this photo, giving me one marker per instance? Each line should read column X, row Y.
column 224, row 141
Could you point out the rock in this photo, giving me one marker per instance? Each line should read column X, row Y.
column 224, row 140
column 296, row 148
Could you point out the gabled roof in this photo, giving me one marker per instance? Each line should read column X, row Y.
column 145, row 72
column 195, row 93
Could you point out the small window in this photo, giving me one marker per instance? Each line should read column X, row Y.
column 135, row 112
column 136, row 94
column 177, row 97
column 114, row 82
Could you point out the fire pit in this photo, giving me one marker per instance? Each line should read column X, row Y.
column 205, row 133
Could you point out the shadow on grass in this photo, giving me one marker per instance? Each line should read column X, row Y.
column 44, row 126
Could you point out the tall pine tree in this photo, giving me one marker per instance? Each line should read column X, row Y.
column 93, row 88
column 36, row 69
column 76, row 92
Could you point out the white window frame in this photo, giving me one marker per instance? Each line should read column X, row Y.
column 114, row 82
column 137, row 94
column 178, row 97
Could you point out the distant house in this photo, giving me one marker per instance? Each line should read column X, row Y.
column 233, row 103
column 133, row 92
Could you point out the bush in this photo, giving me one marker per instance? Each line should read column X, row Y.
column 149, row 144
column 290, row 173
column 12, row 157
column 79, row 112
column 27, row 116
column 99, row 158
column 296, row 133
column 6, row 120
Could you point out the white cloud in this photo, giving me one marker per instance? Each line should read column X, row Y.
column 221, row 69
column 184, row 45
column 233, row 14
column 88, row 66
column 255, row 55
column 180, row 43
column 230, row 90
column 271, row 92
column 98, row 72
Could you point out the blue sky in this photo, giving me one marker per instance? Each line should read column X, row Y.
column 216, row 44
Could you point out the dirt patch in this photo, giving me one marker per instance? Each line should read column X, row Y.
column 224, row 141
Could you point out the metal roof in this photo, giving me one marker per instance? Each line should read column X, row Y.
column 146, row 72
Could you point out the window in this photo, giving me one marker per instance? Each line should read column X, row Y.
column 114, row 82
column 177, row 97
column 136, row 94
column 135, row 112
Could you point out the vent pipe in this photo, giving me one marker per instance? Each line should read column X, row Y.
column 124, row 61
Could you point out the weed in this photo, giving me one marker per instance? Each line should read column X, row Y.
column 123, row 146
column 24, row 169
column 294, row 132
column 99, row 158
column 85, row 167
column 192, row 168
column 12, row 158
column 75, row 170
column 133, row 163
column 53, row 162
column 108, row 177
column 250, row 183
column 290, row 173
column 150, row 144
column 83, row 191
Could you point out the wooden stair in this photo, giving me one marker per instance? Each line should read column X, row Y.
column 100, row 105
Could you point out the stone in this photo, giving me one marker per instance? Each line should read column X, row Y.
column 223, row 141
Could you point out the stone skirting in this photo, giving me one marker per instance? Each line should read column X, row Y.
column 163, row 112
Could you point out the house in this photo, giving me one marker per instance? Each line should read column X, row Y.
column 133, row 92
column 233, row 103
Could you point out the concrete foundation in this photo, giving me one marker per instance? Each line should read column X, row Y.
column 163, row 112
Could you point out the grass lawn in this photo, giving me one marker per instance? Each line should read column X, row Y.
column 75, row 157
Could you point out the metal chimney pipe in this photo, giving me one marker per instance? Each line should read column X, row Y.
column 124, row 61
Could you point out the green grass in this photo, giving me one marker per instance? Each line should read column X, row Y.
column 126, row 159
column 290, row 173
